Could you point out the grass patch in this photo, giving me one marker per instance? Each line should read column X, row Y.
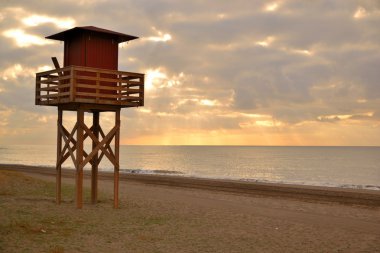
column 16, row 184
column 30, row 221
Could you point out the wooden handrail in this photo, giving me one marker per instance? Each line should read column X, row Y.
column 76, row 84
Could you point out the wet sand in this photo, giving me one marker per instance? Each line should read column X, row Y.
column 299, row 192
column 202, row 215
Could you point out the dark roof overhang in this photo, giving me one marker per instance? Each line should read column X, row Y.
column 120, row 37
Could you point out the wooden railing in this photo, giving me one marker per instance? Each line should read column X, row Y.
column 74, row 84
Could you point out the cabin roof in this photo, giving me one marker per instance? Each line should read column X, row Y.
column 120, row 37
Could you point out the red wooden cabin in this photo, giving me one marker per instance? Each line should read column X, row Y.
column 90, row 46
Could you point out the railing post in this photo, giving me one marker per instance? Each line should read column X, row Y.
column 118, row 88
column 38, row 91
column 60, row 82
column 143, row 90
column 97, row 86
column 72, row 85
column 48, row 92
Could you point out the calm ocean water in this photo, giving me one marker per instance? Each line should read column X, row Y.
column 352, row 167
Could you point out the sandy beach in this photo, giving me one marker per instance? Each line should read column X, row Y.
column 176, row 214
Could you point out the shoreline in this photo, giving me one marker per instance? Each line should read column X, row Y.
column 301, row 192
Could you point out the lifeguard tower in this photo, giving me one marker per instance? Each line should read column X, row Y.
column 89, row 82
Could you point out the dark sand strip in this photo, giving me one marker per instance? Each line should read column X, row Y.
column 299, row 192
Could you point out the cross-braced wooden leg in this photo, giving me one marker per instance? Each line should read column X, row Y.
column 95, row 160
column 79, row 159
column 59, row 164
column 116, row 165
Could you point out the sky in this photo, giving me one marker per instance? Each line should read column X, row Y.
column 242, row 72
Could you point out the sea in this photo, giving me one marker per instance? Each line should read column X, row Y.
column 346, row 167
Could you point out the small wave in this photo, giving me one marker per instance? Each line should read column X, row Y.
column 349, row 186
column 156, row 172
column 365, row 187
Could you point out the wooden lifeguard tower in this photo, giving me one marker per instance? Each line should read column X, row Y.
column 89, row 82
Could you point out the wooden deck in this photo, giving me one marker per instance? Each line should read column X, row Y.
column 84, row 85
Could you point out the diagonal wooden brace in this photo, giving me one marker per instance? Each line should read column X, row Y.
column 67, row 142
column 74, row 142
column 108, row 143
column 70, row 136
column 100, row 145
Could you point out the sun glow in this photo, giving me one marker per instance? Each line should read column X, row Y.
column 260, row 123
column 266, row 42
column 221, row 16
column 360, row 13
column 271, row 7
column 303, row 52
column 153, row 76
column 208, row 102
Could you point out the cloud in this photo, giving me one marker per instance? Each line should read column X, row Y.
column 160, row 37
column 21, row 22
column 303, row 66
column 36, row 20
column 23, row 39
column 17, row 71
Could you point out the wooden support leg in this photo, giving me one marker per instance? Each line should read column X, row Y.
column 95, row 160
column 59, row 163
column 117, row 166
column 79, row 159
